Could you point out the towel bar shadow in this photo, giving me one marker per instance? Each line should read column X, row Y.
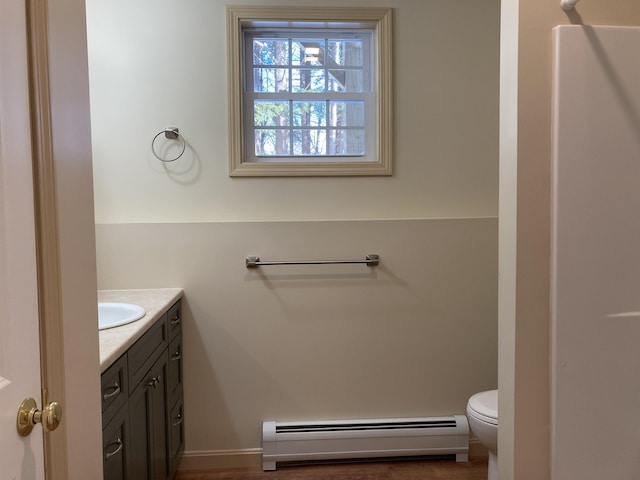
column 254, row 262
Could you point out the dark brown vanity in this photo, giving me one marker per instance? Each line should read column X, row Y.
column 142, row 403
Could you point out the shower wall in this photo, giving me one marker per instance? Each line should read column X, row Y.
column 596, row 253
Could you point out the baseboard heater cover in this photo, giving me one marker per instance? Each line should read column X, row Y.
column 361, row 439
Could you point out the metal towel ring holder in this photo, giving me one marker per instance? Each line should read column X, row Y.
column 172, row 133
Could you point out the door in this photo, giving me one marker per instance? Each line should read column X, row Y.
column 20, row 457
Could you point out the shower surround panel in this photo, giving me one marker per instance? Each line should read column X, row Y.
column 596, row 253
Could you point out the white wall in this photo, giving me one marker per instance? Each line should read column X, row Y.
column 507, row 232
column 596, row 267
column 415, row 336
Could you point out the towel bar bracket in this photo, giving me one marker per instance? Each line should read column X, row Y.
column 568, row 5
column 371, row 260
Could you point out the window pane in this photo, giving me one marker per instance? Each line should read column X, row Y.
column 272, row 142
column 346, row 142
column 307, row 80
column 346, row 114
column 309, row 142
column 346, row 53
column 309, row 114
column 308, row 52
column 270, row 114
column 349, row 81
column 270, row 80
column 270, row 51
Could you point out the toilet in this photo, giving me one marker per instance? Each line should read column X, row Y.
column 482, row 413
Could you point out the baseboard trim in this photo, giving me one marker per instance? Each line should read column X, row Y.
column 252, row 458
column 220, row 459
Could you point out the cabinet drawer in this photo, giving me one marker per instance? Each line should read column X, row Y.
column 176, row 433
column 115, row 441
column 115, row 388
column 175, row 368
column 175, row 319
column 143, row 353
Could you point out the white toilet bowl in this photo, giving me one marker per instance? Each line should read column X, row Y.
column 482, row 413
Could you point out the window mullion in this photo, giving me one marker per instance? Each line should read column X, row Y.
column 310, row 96
column 326, row 70
column 290, row 127
column 330, row 146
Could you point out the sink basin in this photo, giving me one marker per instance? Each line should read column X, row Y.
column 115, row 314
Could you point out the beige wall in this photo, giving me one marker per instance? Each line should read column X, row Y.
column 163, row 63
column 527, row 384
column 415, row 336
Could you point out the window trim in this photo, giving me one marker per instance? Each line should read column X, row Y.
column 241, row 17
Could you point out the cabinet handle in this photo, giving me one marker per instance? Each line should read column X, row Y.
column 174, row 321
column 154, row 382
column 116, row 391
column 118, row 442
column 179, row 420
column 176, row 356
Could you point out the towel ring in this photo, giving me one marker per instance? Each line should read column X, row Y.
column 172, row 133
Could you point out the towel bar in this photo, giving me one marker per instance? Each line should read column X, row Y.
column 254, row 262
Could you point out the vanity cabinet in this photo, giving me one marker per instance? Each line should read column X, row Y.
column 143, row 434
column 175, row 420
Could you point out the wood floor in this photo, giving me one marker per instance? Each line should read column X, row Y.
column 404, row 470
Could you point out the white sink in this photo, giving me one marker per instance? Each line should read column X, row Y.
column 115, row 314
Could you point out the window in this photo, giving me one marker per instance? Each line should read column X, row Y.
column 310, row 91
column 308, row 95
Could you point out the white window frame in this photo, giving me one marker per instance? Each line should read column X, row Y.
column 377, row 160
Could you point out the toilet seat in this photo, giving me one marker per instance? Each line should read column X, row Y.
column 484, row 406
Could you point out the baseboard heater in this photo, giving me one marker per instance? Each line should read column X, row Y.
column 364, row 439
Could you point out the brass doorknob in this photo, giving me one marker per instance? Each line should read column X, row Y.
column 28, row 415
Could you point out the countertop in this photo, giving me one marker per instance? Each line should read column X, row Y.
column 115, row 341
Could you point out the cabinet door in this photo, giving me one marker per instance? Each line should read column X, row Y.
column 115, row 444
column 148, row 425
column 176, row 441
column 159, row 435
